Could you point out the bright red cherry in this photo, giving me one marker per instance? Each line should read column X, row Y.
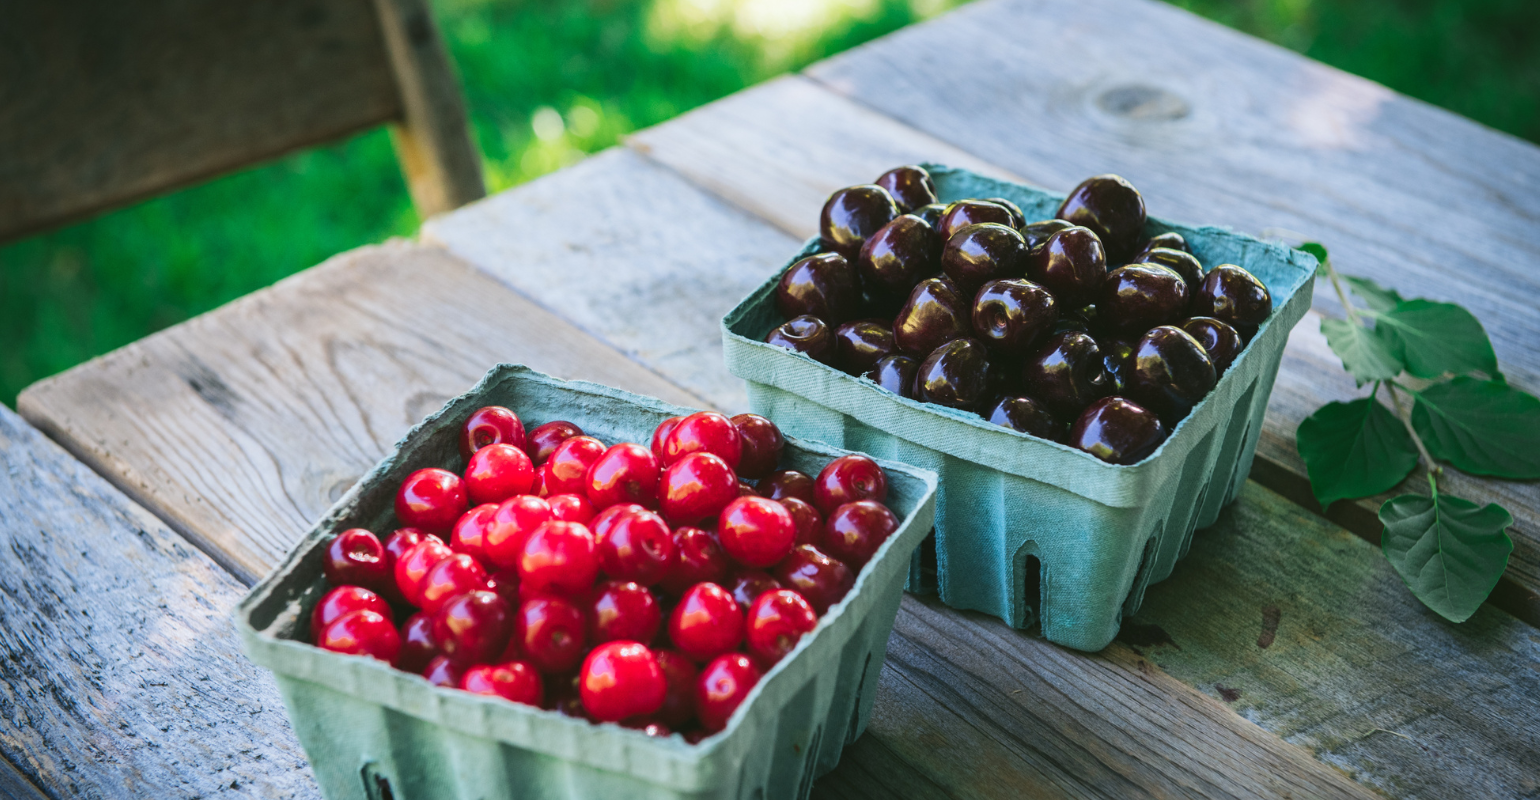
column 355, row 557
column 490, row 425
column 599, row 526
column 497, row 472
column 413, row 566
column 821, row 580
column 788, row 483
column 516, row 681
column 542, row 475
column 660, row 433
column 756, row 531
column 849, row 478
column 566, row 471
column 706, row 623
column 762, row 445
column 809, row 521
column 621, row 680
column 749, row 584
column 341, row 601
column 700, row 559
column 474, row 627
column 637, row 546
column 544, row 439
column 449, row 579
column 696, row 487
column 558, row 557
column 571, row 508
column 362, row 633
column 704, row 431
column 417, row 644
column 776, row 622
column 551, row 632
column 680, row 674
column 400, row 541
column 855, row 531
column 431, row 499
column 721, row 688
column 443, row 672
column 625, row 473
column 470, row 532
column 623, row 610
column 515, row 520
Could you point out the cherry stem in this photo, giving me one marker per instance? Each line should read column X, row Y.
column 1336, row 283
column 1433, row 467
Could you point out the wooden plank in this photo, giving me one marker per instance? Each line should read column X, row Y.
column 120, row 672
column 166, row 92
column 241, row 426
column 15, row 785
column 780, row 148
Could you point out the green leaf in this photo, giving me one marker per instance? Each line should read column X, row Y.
column 1354, row 449
column 1434, row 338
column 1316, row 249
column 1481, row 427
column 1375, row 296
column 1449, row 551
column 1363, row 354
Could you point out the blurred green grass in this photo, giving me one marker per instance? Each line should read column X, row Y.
column 548, row 81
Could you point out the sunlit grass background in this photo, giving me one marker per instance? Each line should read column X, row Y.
column 548, row 82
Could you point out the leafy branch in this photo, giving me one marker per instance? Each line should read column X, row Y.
column 1449, row 551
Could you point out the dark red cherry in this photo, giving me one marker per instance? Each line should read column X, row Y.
column 544, row 439
column 431, row 499
column 706, row 623
column 1018, row 219
column 414, row 564
column 809, row 522
column 1037, row 233
column 1179, row 261
column 357, row 557
column 804, row 334
column 788, row 483
column 825, row 286
column 776, row 621
column 858, row 345
column 440, row 671
column 978, row 254
column 1112, row 208
column 1066, row 373
column 851, row 215
column 473, row 628
column 935, row 314
column 623, row 610
column 1233, row 296
column 551, row 632
column 1118, row 356
column 722, row 687
column 855, row 530
column 895, row 373
column 680, row 674
column 491, row 425
column 762, row 444
column 749, row 584
column 910, row 186
column 847, row 479
column 1010, row 315
column 1220, row 341
column 1171, row 373
column 1026, row 415
column 362, row 633
column 1072, row 265
column 497, row 472
column 1138, row 297
column 1170, row 239
column 821, row 580
column 1117, row 431
column 515, row 681
column 620, row 680
column 700, row 559
column 931, row 213
column 341, row 601
column 963, row 213
column 417, row 644
column 625, row 473
column 956, row 374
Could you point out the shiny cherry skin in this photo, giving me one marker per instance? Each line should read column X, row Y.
column 431, row 499
column 1022, row 413
column 400, row 541
column 963, row 213
column 560, row 558
column 470, row 532
column 362, row 633
column 491, row 425
column 637, row 547
column 931, row 213
column 808, row 521
column 978, row 254
column 847, row 479
column 414, row 564
column 473, row 628
column 894, row 259
column 1072, row 265
column 1178, row 261
column 775, row 622
column 450, row 578
column 1169, row 239
column 1010, row 315
column 749, row 584
column 544, row 439
column 515, row 519
column 722, row 687
column 855, row 530
column 571, row 508
column 505, row 581
column 1117, row 431
column 807, row 335
column 756, row 531
column 853, row 214
column 497, row 472
column 1018, row 219
column 895, row 373
column 1066, row 373
column 660, row 433
column 625, row 473
column 1222, row 342
column 441, row 671
column 1037, row 233
column 1138, row 297
column 811, row 573
column 934, row 314
column 746, row 489
column 696, row 487
column 788, row 483
column 417, row 644
column 356, row 557
column 567, row 468
column 704, row 431
column 600, row 525
column 762, row 445
column 623, row 610
column 620, row 680
column 552, row 633
column 515, row 681
column 1233, row 296
column 700, row 559
column 825, row 286
column 706, row 623
column 1118, row 356
column 858, row 345
column 910, row 186
column 341, row 601
column 542, row 477
column 1112, row 208
column 956, row 374
column 1172, row 373
column 680, row 674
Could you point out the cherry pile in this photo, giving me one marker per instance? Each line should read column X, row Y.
column 1076, row 329
column 649, row 586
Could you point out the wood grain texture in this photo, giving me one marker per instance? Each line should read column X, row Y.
column 122, row 676
column 241, row 426
column 102, row 102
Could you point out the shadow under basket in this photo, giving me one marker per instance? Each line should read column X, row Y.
column 375, row 732
column 1011, row 505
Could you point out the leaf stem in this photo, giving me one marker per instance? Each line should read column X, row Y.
column 1336, row 283
column 1433, row 467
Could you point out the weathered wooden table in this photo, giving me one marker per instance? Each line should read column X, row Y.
column 1282, row 659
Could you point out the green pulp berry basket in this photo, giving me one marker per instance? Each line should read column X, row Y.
column 1028, row 530
column 373, row 732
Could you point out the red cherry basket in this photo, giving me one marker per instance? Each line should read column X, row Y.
column 372, row 731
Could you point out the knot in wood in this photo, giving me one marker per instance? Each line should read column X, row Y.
column 1143, row 103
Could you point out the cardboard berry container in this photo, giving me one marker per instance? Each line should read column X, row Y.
column 1028, row 530
column 374, row 732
